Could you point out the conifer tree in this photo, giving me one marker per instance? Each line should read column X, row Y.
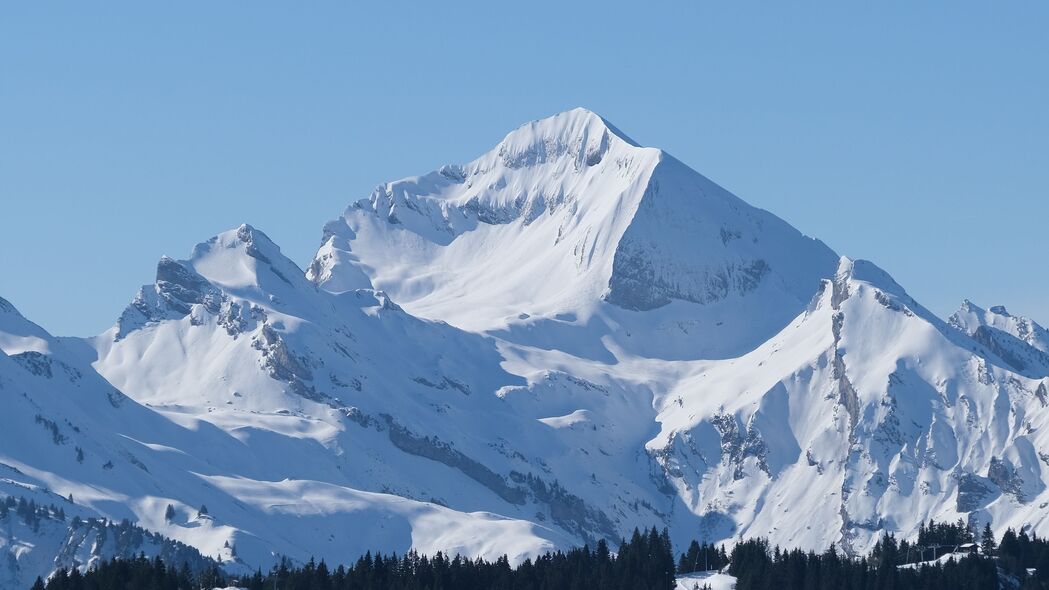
column 987, row 544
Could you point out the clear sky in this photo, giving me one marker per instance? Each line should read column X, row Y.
column 914, row 134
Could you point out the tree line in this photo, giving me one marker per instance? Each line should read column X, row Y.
column 1019, row 561
column 138, row 573
column 644, row 562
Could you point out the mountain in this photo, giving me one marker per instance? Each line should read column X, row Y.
column 567, row 338
column 566, row 231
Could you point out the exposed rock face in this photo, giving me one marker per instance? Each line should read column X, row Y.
column 638, row 285
column 176, row 290
column 181, row 288
column 737, row 445
column 1007, row 478
column 442, row 452
column 1012, row 350
column 973, row 492
column 282, row 364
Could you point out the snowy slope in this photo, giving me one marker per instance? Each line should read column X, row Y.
column 569, row 337
column 336, row 395
column 69, row 433
column 70, row 440
column 713, row 580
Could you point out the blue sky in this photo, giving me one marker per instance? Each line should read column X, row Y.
column 912, row 134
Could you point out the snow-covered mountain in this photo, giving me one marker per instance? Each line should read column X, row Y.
column 569, row 337
column 564, row 233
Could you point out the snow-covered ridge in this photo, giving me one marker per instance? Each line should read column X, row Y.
column 448, row 201
column 1019, row 341
column 970, row 316
column 17, row 334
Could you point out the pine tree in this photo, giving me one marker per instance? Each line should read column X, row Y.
column 987, row 544
column 169, row 513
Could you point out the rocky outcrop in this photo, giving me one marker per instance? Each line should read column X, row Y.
column 442, row 452
column 738, row 444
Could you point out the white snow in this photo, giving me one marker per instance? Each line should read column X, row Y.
column 569, row 337
column 716, row 581
column 938, row 561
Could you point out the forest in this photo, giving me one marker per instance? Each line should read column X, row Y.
column 1018, row 561
column 944, row 556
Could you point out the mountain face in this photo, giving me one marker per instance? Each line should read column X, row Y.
column 569, row 337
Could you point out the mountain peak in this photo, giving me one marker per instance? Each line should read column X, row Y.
column 867, row 272
column 240, row 257
column 243, row 262
column 968, row 306
column 566, row 217
column 254, row 243
column 580, row 133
